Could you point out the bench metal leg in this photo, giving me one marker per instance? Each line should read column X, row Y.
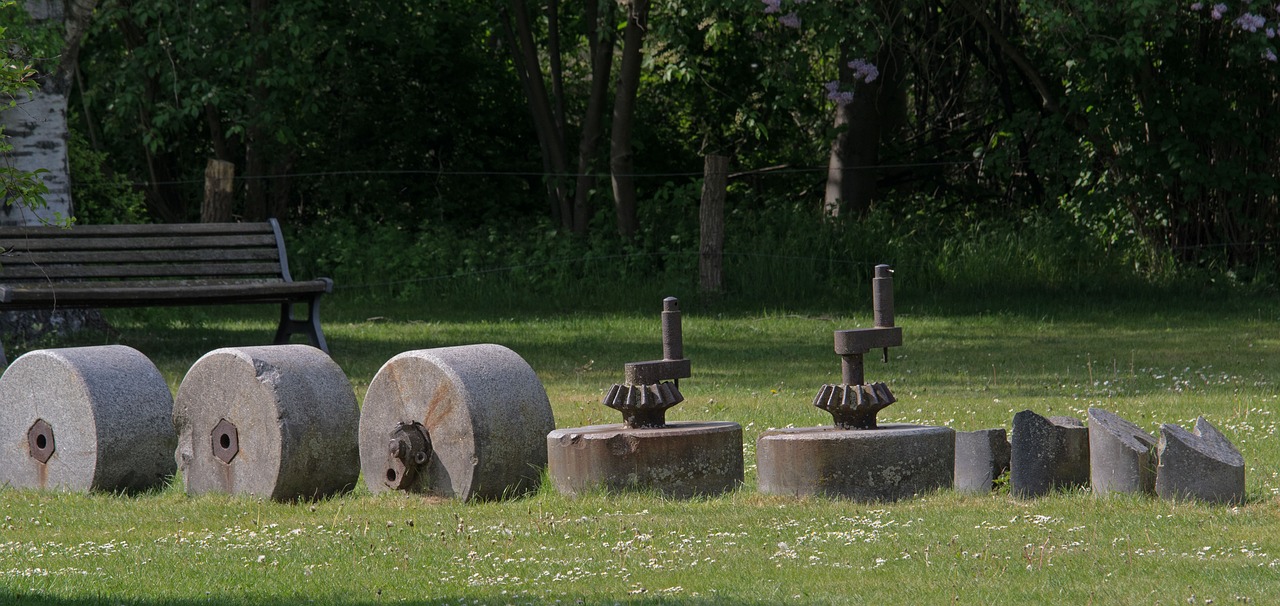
column 310, row 326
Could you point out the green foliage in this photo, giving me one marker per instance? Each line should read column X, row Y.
column 101, row 197
column 1149, row 146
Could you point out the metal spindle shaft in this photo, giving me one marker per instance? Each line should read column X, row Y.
column 672, row 339
column 851, row 372
column 882, row 296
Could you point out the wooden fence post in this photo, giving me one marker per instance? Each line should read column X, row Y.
column 715, row 185
column 219, row 191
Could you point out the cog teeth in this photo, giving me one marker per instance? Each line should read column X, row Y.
column 849, row 398
column 639, row 397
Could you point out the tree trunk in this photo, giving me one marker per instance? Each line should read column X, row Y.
column 852, row 169
column 37, row 127
column 219, row 191
column 600, row 44
column 255, row 161
column 550, row 137
column 621, row 163
column 715, row 184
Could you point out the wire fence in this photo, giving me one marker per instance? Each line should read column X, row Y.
column 594, row 258
column 528, row 174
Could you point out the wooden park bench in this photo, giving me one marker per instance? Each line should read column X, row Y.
column 101, row 266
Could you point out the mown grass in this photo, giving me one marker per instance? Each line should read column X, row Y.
column 968, row 364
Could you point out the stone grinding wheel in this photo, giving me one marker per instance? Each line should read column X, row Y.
column 483, row 410
column 99, row 417
column 277, row 422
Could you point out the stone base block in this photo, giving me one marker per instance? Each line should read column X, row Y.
column 681, row 460
column 1203, row 465
column 892, row 462
column 276, row 422
column 85, row 418
column 1047, row 453
column 981, row 457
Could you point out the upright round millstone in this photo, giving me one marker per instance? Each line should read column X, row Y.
column 85, row 418
column 464, row 422
column 277, row 422
column 892, row 462
column 682, row 459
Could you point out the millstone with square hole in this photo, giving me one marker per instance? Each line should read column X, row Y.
column 85, row 418
column 278, row 422
column 466, row 422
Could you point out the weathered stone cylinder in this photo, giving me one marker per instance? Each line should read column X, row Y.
column 1201, row 465
column 1122, row 456
column 465, row 422
column 277, row 422
column 679, row 460
column 85, row 418
column 981, row 457
column 1047, row 453
column 892, row 462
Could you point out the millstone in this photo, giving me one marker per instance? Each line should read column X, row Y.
column 1047, row 453
column 86, row 418
column 277, row 422
column 892, row 462
column 1122, row 457
column 1201, row 464
column 680, row 460
column 466, row 422
column 981, row 458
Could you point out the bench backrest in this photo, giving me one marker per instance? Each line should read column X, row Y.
column 192, row 251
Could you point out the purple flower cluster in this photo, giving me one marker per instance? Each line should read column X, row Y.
column 791, row 19
column 1250, row 22
column 864, row 71
column 841, row 97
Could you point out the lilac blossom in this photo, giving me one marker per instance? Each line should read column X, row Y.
column 1218, row 11
column 864, row 71
column 1195, row 6
column 1269, row 55
column 841, row 97
column 772, row 6
column 791, row 20
column 1250, row 22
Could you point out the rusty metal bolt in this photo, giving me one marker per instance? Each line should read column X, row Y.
column 226, row 441
column 40, row 441
column 408, row 448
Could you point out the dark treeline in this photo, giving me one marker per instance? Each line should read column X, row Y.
column 1140, row 129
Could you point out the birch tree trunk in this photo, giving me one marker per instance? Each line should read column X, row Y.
column 37, row 127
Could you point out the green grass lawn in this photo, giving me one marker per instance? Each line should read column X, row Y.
column 965, row 364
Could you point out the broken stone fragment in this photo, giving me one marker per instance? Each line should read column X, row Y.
column 1047, row 453
column 1121, row 455
column 981, row 457
column 1202, row 465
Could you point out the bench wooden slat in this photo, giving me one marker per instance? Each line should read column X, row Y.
column 98, row 243
column 151, row 293
column 55, row 272
column 163, row 229
column 17, row 259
